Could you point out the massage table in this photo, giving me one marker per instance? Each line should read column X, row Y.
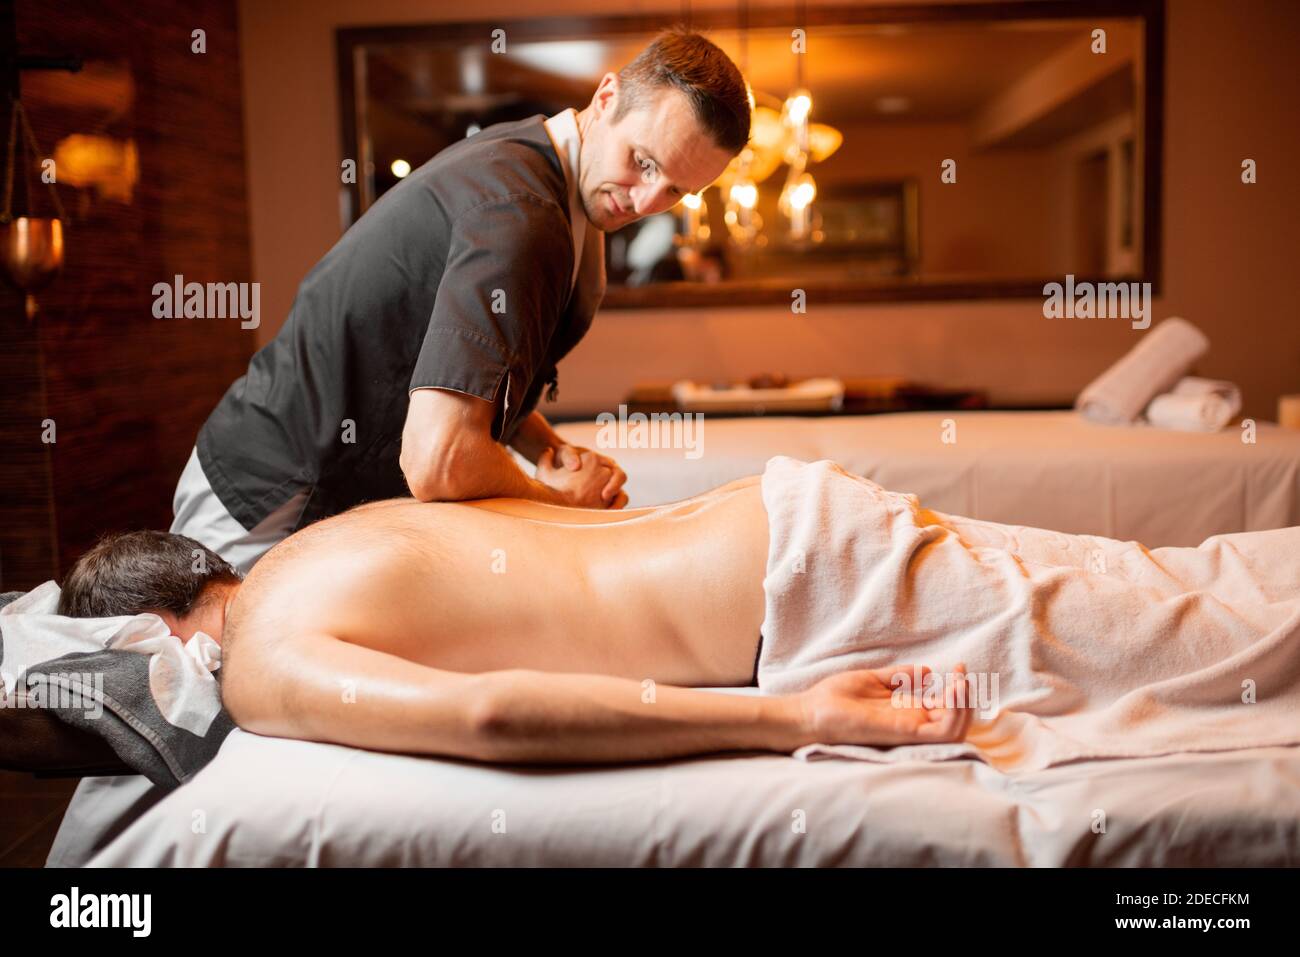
column 279, row 802
column 1022, row 791
column 1049, row 469
column 276, row 801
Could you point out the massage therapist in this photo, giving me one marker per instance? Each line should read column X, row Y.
column 417, row 349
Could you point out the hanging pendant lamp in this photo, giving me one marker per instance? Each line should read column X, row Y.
column 31, row 246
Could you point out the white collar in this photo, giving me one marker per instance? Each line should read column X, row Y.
column 563, row 129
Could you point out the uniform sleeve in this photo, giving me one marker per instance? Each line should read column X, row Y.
column 502, row 294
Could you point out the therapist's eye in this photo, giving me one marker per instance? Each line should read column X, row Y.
column 649, row 170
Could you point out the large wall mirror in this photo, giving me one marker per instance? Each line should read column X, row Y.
column 915, row 152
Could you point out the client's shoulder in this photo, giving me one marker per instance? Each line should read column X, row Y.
column 365, row 534
column 298, row 582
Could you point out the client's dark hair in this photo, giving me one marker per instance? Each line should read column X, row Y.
column 135, row 572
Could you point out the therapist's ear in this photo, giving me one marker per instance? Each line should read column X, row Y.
column 606, row 95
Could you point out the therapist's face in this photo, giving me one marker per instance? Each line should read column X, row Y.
column 647, row 161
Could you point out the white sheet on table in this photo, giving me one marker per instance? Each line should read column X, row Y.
column 276, row 802
column 101, row 808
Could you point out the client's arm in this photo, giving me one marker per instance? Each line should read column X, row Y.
column 319, row 688
column 322, row 689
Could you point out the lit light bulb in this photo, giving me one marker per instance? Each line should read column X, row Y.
column 803, row 194
column 796, row 201
column 401, row 168
column 695, row 220
column 797, row 107
column 741, row 217
column 745, row 194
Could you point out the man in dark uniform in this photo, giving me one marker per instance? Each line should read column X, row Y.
column 417, row 349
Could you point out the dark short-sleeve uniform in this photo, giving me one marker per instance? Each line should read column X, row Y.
column 457, row 278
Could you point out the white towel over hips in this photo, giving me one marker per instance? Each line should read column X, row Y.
column 1101, row 648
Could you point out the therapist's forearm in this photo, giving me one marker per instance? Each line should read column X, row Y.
column 534, row 436
column 448, row 453
column 487, row 470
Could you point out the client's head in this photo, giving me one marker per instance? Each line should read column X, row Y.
column 174, row 577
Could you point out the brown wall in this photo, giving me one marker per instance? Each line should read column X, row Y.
column 964, row 231
column 1231, row 86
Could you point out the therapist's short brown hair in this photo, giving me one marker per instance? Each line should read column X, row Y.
column 691, row 64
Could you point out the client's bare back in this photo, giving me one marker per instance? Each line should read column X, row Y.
column 508, row 631
column 672, row 593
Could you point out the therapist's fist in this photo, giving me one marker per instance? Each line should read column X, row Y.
column 584, row 478
column 612, row 495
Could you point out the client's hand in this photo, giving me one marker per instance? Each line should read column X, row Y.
column 876, row 708
column 591, row 467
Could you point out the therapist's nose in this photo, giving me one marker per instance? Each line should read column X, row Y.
column 651, row 198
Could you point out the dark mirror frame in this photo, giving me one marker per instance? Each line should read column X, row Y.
column 772, row 292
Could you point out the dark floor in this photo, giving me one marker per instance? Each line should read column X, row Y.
column 30, row 811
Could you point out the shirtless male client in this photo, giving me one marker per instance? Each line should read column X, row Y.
column 505, row 631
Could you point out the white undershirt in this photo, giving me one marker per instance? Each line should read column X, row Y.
column 563, row 129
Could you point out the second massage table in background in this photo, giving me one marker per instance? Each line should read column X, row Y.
column 1043, row 469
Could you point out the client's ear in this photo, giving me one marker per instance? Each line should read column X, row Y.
column 208, row 614
column 174, row 625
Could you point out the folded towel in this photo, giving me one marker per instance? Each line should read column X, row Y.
column 1082, row 647
column 1195, row 405
column 1165, row 355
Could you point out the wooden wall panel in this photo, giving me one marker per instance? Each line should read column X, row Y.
column 28, row 541
column 127, row 391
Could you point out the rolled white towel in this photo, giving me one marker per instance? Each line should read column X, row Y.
column 1165, row 355
column 1195, row 405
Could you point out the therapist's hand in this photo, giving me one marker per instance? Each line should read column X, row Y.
column 586, row 479
column 612, row 495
